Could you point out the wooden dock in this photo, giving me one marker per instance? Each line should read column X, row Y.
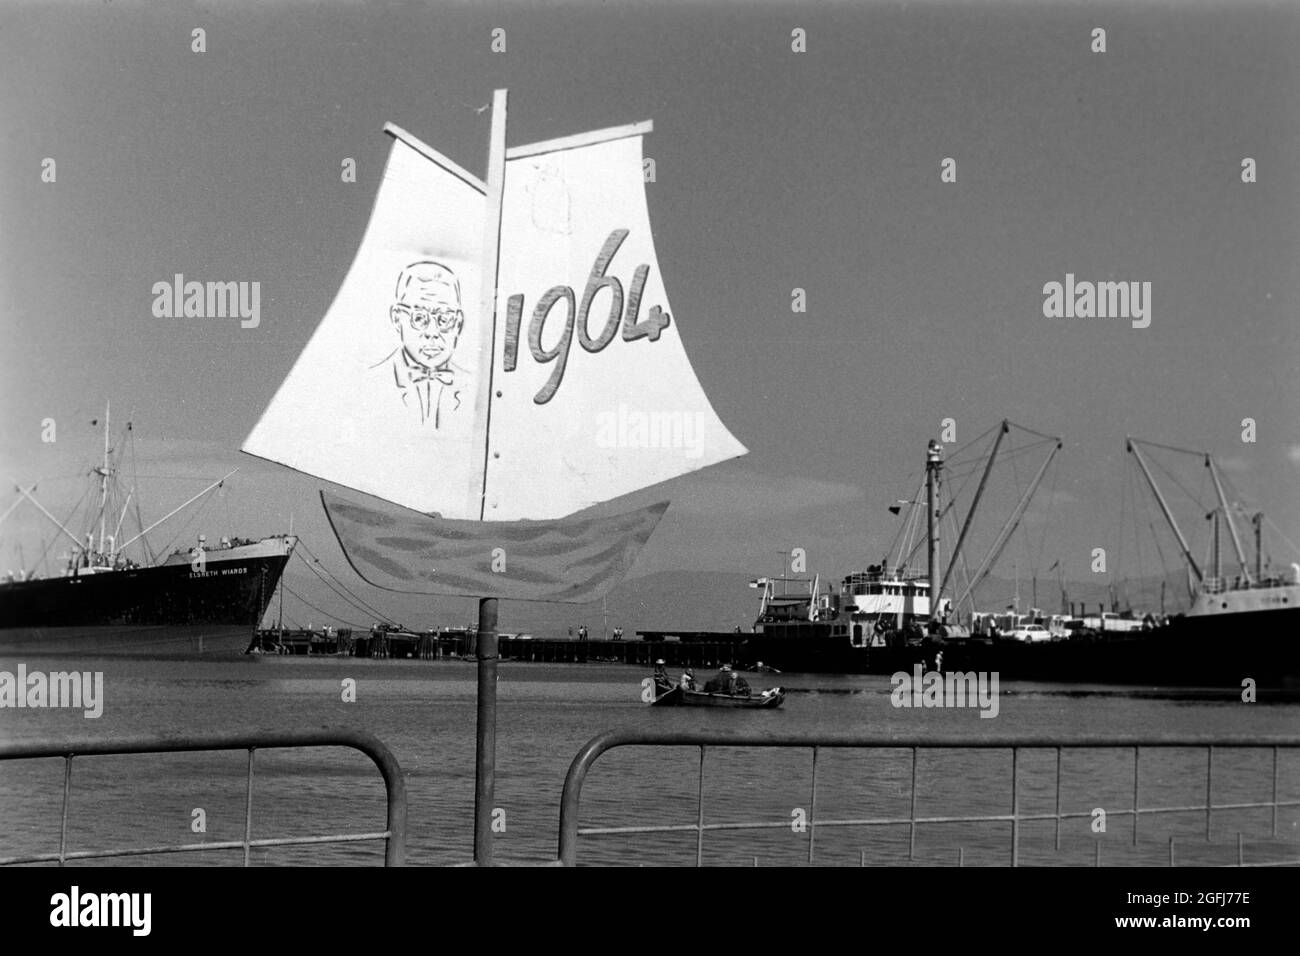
column 712, row 650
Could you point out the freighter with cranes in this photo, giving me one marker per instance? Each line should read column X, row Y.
column 206, row 599
column 883, row 620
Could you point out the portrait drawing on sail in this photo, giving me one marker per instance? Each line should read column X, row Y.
column 427, row 315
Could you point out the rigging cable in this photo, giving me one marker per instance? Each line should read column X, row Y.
column 295, row 594
column 364, row 605
column 355, row 606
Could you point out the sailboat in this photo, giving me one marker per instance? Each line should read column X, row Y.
column 472, row 366
column 476, row 376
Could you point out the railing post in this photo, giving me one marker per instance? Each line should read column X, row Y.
column 1275, row 791
column 1058, row 799
column 1209, row 781
column 63, row 825
column 1136, row 760
column 248, row 806
column 911, row 836
column 812, row 808
column 1015, row 806
column 699, row 814
column 485, row 749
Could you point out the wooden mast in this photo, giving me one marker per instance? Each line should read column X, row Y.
column 486, row 638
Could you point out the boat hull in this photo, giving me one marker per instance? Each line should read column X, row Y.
column 1213, row 650
column 170, row 609
column 680, row 697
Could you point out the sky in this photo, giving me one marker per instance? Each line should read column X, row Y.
column 775, row 170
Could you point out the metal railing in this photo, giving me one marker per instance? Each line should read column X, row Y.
column 393, row 835
column 570, row 830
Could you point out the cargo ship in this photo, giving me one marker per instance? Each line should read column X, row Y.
column 200, row 600
column 1237, row 629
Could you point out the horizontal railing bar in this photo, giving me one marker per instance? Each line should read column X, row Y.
column 195, row 847
column 1295, row 862
column 865, row 822
column 895, row 821
column 622, row 738
column 143, row 743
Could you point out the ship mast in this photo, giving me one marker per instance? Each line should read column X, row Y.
column 103, row 476
column 933, row 464
column 1257, row 519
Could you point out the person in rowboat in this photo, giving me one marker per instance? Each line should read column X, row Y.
column 662, row 682
column 723, row 682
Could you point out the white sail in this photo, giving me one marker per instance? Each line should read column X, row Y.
column 581, row 393
column 389, row 393
column 596, row 395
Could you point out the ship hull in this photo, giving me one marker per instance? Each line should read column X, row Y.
column 166, row 610
column 1213, row 651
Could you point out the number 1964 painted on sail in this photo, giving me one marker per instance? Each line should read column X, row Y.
column 633, row 327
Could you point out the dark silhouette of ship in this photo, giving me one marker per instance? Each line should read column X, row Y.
column 1238, row 627
column 204, row 599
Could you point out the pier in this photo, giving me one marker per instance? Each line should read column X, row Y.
column 687, row 649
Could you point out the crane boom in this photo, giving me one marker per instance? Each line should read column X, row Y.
column 1132, row 444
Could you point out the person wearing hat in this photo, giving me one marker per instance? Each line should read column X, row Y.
column 721, row 682
column 662, row 682
column 688, row 678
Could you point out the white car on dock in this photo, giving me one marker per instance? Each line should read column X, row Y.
column 1031, row 633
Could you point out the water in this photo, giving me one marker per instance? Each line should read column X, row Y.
column 425, row 713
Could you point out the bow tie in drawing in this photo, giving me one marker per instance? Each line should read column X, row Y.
column 442, row 375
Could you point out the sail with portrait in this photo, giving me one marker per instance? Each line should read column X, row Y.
column 570, row 387
column 389, row 394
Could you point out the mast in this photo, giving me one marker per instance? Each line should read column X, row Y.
column 1216, row 564
column 970, row 515
column 933, row 463
column 1257, row 519
column 1227, row 514
column 103, row 476
column 485, row 745
column 1164, row 508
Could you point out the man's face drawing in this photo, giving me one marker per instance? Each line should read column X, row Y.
column 427, row 313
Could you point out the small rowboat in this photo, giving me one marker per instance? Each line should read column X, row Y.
column 679, row 696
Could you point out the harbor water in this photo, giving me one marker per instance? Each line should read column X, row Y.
column 425, row 712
